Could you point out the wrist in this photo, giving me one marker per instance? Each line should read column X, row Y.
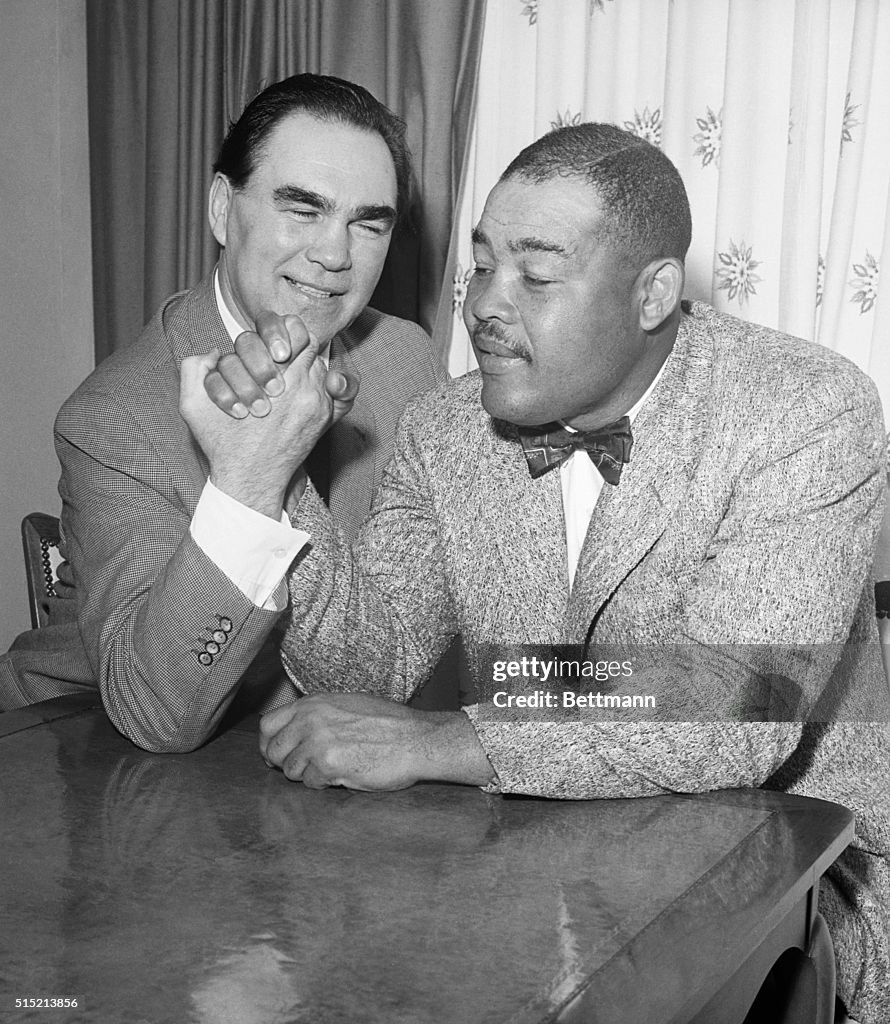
column 251, row 494
column 452, row 750
column 295, row 490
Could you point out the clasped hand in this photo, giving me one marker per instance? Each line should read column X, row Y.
column 258, row 412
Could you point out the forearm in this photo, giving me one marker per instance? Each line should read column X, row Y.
column 365, row 618
column 591, row 761
column 159, row 683
column 149, row 602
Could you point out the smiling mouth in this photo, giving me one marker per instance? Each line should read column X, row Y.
column 307, row 289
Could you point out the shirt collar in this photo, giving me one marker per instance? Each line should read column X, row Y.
column 229, row 321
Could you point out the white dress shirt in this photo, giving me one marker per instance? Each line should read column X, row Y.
column 253, row 550
column 581, row 487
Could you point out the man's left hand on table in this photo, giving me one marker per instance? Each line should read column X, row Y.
column 369, row 743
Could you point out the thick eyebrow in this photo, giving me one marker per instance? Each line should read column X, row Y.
column 523, row 245
column 296, row 194
column 532, row 244
column 380, row 212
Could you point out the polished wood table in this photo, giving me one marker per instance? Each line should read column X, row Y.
column 206, row 887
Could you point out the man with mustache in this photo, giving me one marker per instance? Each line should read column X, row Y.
column 626, row 470
column 179, row 571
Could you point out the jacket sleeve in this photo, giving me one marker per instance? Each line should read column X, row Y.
column 379, row 616
column 167, row 634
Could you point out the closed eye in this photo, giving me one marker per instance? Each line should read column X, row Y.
column 303, row 213
column 377, row 228
column 374, row 219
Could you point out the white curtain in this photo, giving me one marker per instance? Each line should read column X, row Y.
column 776, row 113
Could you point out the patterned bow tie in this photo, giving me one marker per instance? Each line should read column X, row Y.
column 608, row 448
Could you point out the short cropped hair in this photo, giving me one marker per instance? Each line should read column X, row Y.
column 645, row 206
column 325, row 98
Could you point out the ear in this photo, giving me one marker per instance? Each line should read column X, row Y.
column 661, row 288
column 218, row 202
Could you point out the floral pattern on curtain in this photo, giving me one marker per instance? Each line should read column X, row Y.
column 775, row 113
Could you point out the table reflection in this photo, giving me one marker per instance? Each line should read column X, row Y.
column 207, row 888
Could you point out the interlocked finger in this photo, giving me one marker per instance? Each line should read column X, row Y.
column 222, row 395
column 259, row 364
column 249, row 393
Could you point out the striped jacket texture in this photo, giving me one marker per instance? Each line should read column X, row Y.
column 745, row 520
column 148, row 598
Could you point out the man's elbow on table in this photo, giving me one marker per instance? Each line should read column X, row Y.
column 154, row 727
column 157, row 741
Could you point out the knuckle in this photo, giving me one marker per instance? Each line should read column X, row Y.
column 214, row 384
column 274, row 746
column 327, row 762
column 229, row 362
column 295, row 326
column 245, row 341
column 268, row 318
column 259, row 364
column 249, row 341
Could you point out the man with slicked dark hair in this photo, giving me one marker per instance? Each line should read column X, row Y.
column 178, row 553
column 325, row 98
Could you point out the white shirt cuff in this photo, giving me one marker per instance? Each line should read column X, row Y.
column 253, row 550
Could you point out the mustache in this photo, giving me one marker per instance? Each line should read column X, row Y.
column 493, row 331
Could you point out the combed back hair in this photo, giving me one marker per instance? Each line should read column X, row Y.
column 645, row 207
column 325, row 98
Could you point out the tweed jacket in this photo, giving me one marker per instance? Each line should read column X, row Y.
column 747, row 516
column 149, row 598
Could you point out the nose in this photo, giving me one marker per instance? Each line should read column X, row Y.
column 488, row 299
column 330, row 245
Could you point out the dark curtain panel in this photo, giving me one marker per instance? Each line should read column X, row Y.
column 167, row 76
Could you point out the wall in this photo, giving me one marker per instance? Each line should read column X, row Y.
column 46, row 337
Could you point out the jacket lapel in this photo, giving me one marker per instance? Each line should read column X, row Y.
column 525, row 539
column 350, row 434
column 195, row 327
column 629, row 519
column 202, row 328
